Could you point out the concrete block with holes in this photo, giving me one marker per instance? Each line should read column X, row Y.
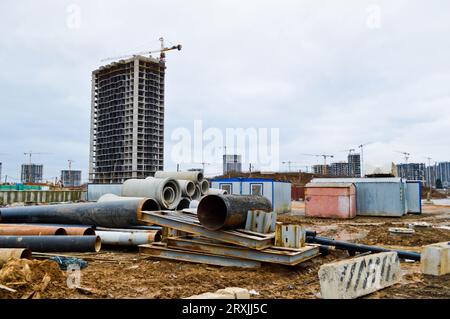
column 359, row 276
column 289, row 236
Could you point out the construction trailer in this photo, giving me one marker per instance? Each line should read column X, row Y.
column 414, row 196
column 279, row 193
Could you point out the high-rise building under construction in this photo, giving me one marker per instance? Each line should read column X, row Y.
column 127, row 120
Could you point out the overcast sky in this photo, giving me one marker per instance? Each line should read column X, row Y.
column 328, row 76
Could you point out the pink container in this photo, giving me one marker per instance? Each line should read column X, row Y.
column 330, row 200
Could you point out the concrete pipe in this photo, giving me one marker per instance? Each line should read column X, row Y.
column 187, row 187
column 217, row 191
column 166, row 191
column 80, row 231
column 198, row 192
column 122, row 213
column 30, row 230
column 113, row 197
column 193, row 203
column 132, row 229
column 184, row 203
column 196, row 176
column 53, row 243
column 204, row 186
column 19, row 253
column 229, row 211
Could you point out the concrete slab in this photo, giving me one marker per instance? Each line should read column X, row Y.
column 359, row 276
column 238, row 293
column 435, row 259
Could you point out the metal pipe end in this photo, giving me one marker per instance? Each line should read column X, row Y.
column 98, row 244
column 60, row 232
column 89, row 232
column 147, row 204
column 26, row 254
column 212, row 212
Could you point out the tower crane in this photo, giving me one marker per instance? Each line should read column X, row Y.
column 162, row 52
column 325, row 156
column 406, row 155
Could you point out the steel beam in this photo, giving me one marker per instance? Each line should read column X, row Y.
column 190, row 224
column 272, row 254
column 163, row 252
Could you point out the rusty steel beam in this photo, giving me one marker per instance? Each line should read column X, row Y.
column 30, row 230
column 53, row 243
column 107, row 214
column 229, row 211
column 20, row 253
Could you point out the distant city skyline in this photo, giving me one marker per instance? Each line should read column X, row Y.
column 317, row 71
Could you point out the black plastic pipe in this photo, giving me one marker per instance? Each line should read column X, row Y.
column 352, row 247
column 119, row 214
column 229, row 211
column 53, row 243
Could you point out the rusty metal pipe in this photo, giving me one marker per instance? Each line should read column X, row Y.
column 118, row 238
column 107, row 214
column 30, row 230
column 20, row 253
column 80, row 231
column 53, row 243
column 229, row 211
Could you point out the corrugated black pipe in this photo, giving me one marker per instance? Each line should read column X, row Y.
column 53, row 243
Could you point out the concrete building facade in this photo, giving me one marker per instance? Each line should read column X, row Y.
column 321, row 169
column 411, row 171
column 31, row 173
column 232, row 163
column 443, row 173
column 340, row 169
column 71, row 178
column 127, row 120
column 354, row 165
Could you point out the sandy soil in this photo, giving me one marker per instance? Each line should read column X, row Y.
column 125, row 274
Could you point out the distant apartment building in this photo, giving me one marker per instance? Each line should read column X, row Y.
column 443, row 173
column 321, row 169
column 0, row 172
column 430, row 176
column 354, row 165
column 232, row 163
column 127, row 120
column 411, row 171
column 340, row 169
column 71, row 178
column 31, row 173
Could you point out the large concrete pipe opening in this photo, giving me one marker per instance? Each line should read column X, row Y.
column 148, row 205
column 204, row 185
column 187, row 187
column 184, row 203
column 229, row 211
column 198, row 192
column 168, row 194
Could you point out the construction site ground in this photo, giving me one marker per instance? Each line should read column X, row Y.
column 126, row 274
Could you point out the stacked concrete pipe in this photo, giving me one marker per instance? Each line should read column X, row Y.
column 204, row 186
column 166, row 191
column 217, row 191
column 198, row 192
column 187, row 187
column 195, row 176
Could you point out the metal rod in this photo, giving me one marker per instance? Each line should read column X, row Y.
column 52, row 243
column 107, row 214
column 229, row 211
column 360, row 247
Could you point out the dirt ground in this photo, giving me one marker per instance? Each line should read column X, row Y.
column 126, row 274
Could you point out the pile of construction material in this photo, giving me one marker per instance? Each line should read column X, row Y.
column 228, row 230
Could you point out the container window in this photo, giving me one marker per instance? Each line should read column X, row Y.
column 256, row 189
column 227, row 187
